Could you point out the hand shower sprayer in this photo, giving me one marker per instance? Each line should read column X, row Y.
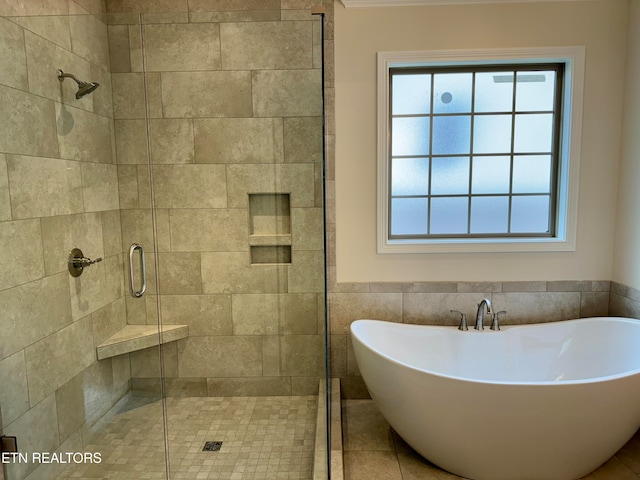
column 84, row 88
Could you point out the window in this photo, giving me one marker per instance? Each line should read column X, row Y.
column 475, row 153
column 474, row 150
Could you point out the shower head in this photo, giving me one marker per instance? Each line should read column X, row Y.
column 84, row 88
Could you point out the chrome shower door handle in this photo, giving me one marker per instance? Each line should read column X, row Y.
column 143, row 271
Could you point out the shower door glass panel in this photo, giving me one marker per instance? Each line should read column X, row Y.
column 236, row 147
column 79, row 380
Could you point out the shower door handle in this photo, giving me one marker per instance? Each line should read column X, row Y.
column 143, row 271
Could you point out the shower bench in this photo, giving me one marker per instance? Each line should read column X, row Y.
column 137, row 337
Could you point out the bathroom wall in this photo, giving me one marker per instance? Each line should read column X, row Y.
column 625, row 299
column 58, row 190
column 235, row 107
column 600, row 26
column 423, row 288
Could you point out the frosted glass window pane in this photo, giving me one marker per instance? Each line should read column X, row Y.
column 530, row 214
column 532, row 174
column 449, row 215
column 410, row 176
column 452, row 92
column 535, row 91
column 450, row 176
column 451, row 135
column 489, row 214
column 409, row 216
column 492, row 134
column 491, row 175
column 411, row 94
column 533, row 133
column 410, row 136
column 494, row 92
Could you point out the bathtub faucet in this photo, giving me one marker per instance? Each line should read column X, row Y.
column 463, row 320
column 480, row 314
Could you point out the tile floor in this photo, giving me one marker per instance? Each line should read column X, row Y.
column 372, row 451
column 263, row 438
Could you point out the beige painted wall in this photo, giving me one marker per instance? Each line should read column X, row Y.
column 361, row 32
column 626, row 267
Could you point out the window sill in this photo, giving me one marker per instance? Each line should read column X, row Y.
column 476, row 246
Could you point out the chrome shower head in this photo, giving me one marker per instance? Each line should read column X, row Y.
column 84, row 88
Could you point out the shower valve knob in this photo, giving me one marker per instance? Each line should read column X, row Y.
column 78, row 262
column 85, row 262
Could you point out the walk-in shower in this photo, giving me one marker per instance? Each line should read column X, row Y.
column 193, row 345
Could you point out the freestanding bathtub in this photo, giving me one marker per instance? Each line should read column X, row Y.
column 549, row 401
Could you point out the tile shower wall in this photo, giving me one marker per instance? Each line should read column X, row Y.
column 235, row 108
column 58, row 190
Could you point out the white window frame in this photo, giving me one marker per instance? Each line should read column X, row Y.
column 569, row 158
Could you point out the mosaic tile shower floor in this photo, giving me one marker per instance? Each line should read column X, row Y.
column 263, row 438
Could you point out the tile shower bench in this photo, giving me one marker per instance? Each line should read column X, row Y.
column 138, row 337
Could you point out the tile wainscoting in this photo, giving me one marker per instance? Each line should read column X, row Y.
column 430, row 303
column 624, row 301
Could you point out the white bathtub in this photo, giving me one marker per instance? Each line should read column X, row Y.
column 548, row 401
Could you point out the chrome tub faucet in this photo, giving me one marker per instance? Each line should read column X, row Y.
column 480, row 313
column 484, row 304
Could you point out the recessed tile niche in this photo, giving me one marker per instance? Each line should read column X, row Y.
column 270, row 254
column 270, row 228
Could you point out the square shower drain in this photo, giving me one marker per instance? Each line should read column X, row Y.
column 212, row 446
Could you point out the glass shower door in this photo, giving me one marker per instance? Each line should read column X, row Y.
column 236, row 147
column 141, row 424
column 73, row 198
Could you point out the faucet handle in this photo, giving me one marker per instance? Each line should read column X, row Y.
column 463, row 320
column 495, row 324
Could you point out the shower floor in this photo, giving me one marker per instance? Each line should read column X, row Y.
column 263, row 438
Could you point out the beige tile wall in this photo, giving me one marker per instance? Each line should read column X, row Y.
column 234, row 90
column 624, row 301
column 430, row 304
column 58, row 190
